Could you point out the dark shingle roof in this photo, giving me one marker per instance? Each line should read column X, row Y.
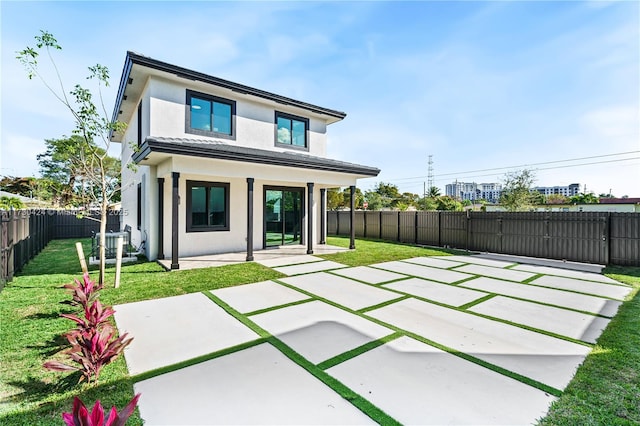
column 224, row 151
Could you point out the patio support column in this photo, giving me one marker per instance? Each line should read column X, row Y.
column 352, row 218
column 250, row 219
column 175, row 200
column 310, row 218
column 323, row 215
column 160, row 218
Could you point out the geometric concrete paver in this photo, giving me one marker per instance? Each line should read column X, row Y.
column 410, row 380
column 174, row 329
column 419, row 384
column 443, row 293
column 435, row 274
column 477, row 260
column 598, row 289
column 564, row 299
column 368, row 275
column 253, row 297
column 572, row 324
column 504, row 274
column 319, row 331
column 538, row 356
column 432, row 261
column 569, row 273
column 258, row 385
column 344, row 291
column 288, row 260
column 305, row 268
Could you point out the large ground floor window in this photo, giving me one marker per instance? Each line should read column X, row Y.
column 207, row 206
column 283, row 213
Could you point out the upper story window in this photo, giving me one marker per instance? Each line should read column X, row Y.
column 291, row 130
column 209, row 115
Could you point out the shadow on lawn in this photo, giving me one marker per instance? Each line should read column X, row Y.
column 118, row 393
column 51, row 347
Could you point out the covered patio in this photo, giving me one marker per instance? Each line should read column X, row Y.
column 279, row 256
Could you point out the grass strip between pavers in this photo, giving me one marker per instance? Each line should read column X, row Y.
column 273, row 308
column 340, row 388
column 535, row 277
column 383, row 304
column 551, row 305
column 338, row 359
column 477, row 301
column 197, row 360
column 531, row 382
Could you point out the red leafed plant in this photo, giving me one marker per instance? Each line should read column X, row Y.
column 83, row 292
column 91, row 349
column 93, row 344
column 81, row 416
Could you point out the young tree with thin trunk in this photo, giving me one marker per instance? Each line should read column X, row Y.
column 93, row 124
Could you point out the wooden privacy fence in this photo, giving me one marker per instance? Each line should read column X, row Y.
column 24, row 233
column 592, row 237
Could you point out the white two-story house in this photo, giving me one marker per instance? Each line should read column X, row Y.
column 221, row 167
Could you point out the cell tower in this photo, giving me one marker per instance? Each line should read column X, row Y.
column 430, row 174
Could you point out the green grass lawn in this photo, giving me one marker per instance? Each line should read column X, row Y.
column 606, row 389
column 31, row 330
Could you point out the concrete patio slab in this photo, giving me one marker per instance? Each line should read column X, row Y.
column 221, row 259
column 552, row 263
column 305, row 268
column 435, row 274
column 569, row 273
column 559, row 321
column 418, row 384
column 435, row 262
column 253, row 297
column 478, row 260
column 346, row 292
column 598, row 289
column 176, row 329
column 256, row 386
column 443, row 293
column 319, row 331
column 540, row 357
column 288, row 260
column 561, row 298
column 489, row 271
column 369, row 275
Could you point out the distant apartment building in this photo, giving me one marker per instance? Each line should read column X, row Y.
column 474, row 191
column 567, row 191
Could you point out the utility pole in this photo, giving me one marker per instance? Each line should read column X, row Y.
column 430, row 174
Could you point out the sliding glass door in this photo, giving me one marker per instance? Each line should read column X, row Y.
column 283, row 216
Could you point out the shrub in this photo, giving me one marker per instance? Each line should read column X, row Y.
column 81, row 416
column 84, row 292
column 93, row 344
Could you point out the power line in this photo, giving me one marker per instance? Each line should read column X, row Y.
column 519, row 166
column 416, row 182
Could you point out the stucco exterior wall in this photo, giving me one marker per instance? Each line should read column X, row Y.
column 236, row 173
column 143, row 175
column 255, row 121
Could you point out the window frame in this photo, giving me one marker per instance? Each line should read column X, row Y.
column 210, row 98
column 139, row 206
column 227, row 205
column 140, row 123
column 288, row 116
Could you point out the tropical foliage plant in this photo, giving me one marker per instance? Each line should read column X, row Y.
column 80, row 416
column 93, row 342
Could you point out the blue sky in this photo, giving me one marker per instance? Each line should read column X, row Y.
column 478, row 85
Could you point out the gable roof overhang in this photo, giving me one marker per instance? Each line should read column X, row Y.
column 137, row 67
column 223, row 151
